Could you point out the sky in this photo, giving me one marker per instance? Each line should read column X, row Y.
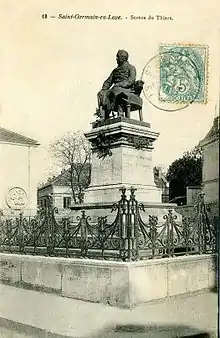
column 51, row 69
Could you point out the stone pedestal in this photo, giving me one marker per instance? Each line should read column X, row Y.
column 122, row 156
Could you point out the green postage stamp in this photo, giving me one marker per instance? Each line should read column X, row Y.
column 183, row 73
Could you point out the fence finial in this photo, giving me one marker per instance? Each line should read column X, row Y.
column 123, row 191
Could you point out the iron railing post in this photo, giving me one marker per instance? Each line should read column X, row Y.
column 20, row 233
column 84, row 235
column 133, row 217
column 123, row 225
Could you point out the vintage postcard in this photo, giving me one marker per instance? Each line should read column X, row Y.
column 109, row 168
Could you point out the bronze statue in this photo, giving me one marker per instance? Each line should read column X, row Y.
column 120, row 93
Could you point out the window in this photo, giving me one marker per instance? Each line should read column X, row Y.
column 66, row 202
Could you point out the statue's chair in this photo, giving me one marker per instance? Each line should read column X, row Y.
column 127, row 101
column 131, row 101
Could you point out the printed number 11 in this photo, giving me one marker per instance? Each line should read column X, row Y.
column 44, row 16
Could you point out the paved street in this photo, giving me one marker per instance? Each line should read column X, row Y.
column 65, row 317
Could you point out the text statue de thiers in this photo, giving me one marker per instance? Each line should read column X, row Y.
column 120, row 93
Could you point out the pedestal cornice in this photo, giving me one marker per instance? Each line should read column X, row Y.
column 123, row 131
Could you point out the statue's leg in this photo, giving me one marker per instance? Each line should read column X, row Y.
column 102, row 113
column 101, row 109
column 120, row 111
column 128, row 110
column 99, row 99
column 107, row 114
column 140, row 114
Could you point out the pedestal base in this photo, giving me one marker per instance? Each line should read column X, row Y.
column 111, row 193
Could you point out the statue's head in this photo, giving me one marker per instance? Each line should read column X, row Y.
column 121, row 57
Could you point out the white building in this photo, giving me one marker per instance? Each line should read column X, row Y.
column 18, row 186
column 60, row 191
column 210, row 149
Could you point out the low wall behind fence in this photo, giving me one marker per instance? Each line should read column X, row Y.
column 130, row 236
column 122, row 284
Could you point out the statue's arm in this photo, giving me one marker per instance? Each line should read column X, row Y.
column 128, row 82
column 108, row 83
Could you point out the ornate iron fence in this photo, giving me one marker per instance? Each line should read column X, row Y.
column 127, row 238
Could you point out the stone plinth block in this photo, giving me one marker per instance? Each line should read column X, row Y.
column 122, row 284
column 122, row 156
column 188, row 275
column 43, row 274
column 10, row 269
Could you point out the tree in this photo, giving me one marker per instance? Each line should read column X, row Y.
column 72, row 152
column 186, row 171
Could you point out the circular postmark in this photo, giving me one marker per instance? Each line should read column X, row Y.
column 16, row 198
column 172, row 79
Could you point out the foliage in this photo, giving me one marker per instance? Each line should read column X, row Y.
column 72, row 152
column 186, row 171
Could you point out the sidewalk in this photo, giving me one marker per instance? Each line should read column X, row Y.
column 65, row 317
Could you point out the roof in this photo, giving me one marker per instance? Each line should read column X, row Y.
column 213, row 132
column 7, row 136
column 63, row 179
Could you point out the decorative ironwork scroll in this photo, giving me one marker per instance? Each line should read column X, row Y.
column 127, row 238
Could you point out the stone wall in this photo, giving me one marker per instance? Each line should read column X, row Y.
column 122, row 284
column 190, row 210
column 192, row 194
